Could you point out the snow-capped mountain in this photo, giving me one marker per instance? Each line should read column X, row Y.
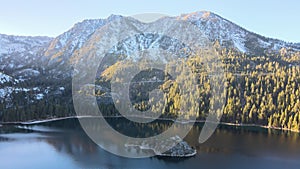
column 65, row 44
column 17, row 52
column 43, row 58
column 234, row 36
column 71, row 45
column 13, row 44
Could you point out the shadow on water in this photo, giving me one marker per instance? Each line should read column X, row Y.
column 234, row 146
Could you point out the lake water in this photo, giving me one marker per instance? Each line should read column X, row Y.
column 63, row 144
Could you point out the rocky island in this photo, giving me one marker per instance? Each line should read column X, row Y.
column 175, row 146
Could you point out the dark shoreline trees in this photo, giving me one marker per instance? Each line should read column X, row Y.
column 262, row 90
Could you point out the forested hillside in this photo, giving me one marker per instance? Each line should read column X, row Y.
column 260, row 75
column 262, row 90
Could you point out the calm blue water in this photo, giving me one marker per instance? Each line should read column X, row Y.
column 63, row 144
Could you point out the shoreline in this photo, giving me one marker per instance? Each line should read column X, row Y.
column 162, row 119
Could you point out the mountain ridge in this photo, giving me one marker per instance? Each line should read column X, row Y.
column 57, row 55
column 215, row 27
column 27, row 56
column 244, row 28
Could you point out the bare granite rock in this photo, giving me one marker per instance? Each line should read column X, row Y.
column 174, row 146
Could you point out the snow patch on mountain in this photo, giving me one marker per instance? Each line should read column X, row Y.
column 68, row 42
column 4, row 78
column 218, row 28
column 38, row 93
column 25, row 73
column 39, row 96
column 145, row 41
column 12, row 44
column 7, row 91
column 233, row 36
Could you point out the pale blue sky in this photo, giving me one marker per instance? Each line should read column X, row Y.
column 272, row 18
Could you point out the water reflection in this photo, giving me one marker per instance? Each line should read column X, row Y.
column 63, row 144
